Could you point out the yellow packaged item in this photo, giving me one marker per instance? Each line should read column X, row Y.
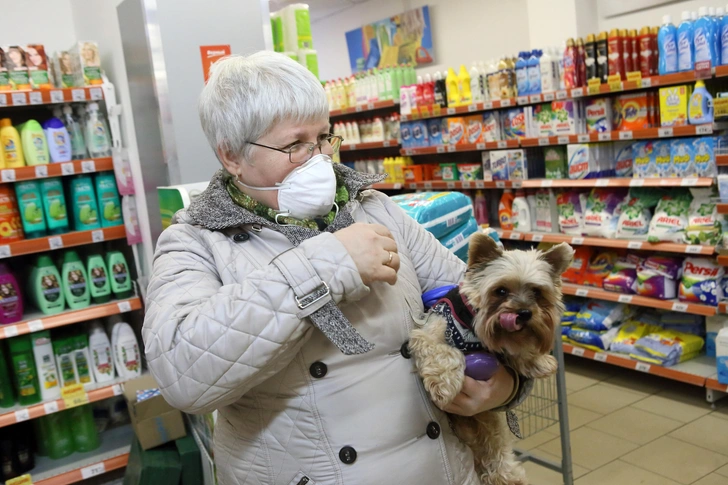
column 674, row 105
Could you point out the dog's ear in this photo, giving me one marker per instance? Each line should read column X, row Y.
column 559, row 258
column 483, row 249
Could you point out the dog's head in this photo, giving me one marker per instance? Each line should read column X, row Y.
column 517, row 295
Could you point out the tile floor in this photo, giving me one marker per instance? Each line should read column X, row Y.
column 629, row 428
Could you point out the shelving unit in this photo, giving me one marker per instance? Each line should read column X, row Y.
column 550, row 183
column 56, row 170
column 70, row 239
column 51, row 96
column 363, row 108
column 369, row 146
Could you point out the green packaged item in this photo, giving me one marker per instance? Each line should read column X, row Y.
column 555, row 161
column 81, row 359
column 7, row 397
column 158, row 466
column 63, row 349
column 449, row 172
column 120, row 277
column 108, row 199
column 98, row 277
column 191, row 459
column 54, row 205
column 45, row 286
column 30, row 204
column 53, row 435
column 469, row 172
column 24, row 371
column 85, row 436
column 75, row 281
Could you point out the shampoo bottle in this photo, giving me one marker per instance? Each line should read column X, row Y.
column 63, row 350
column 24, row 371
column 35, row 148
column 685, row 51
column 702, row 37
column 78, row 145
column 667, row 46
column 102, row 361
column 31, row 208
column 11, row 301
column 98, row 141
column 75, row 281
column 120, row 277
column 83, row 201
column 54, row 431
column 108, row 195
column 82, row 359
column 126, row 351
column 58, row 139
column 700, row 108
column 7, row 396
column 12, row 149
column 45, row 286
column 85, row 435
column 54, row 205
column 45, row 362
column 98, row 275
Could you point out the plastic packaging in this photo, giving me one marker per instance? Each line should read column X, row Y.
column 102, row 361
column 700, row 109
column 85, row 436
column 83, row 202
column 657, row 277
column 600, row 315
column 602, row 213
column 701, row 281
column 30, row 205
column 703, row 37
column 24, row 370
column 44, row 286
column 120, row 277
column 108, row 199
column 35, row 148
column 11, row 299
column 54, row 205
column 571, row 212
column 505, row 210
column 667, row 46
column 63, row 350
column 438, row 212
column 458, row 239
column 78, row 144
column 11, row 226
column 127, row 357
column 704, row 226
column 82, row 359
column 521, row 213
column 12, row 148
column 670, row 219
column 75, row 281
column 45, row 363
column 685, row 49
column 97, row 137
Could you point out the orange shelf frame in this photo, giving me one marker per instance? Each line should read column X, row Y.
column 442, row 185
column 75, row 476
column 465, row 147
column 721, row 160
column 620, row 182
column 607, row 243
column 56, row 169
column 712, row 383
column 368, row 146
column 722, row 208
column 51, row 96
column 70, row 239
column 645, row 134
column 362, row 108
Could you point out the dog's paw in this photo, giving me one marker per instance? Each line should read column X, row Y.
column 544, row 366
column 443, row 387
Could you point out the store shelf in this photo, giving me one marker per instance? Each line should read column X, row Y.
column 36, row 322
column 51, row 96
column 646, row 134
column 620, row 182
column 70, row 239
column 465, row 147
column 362, row 108
column 723, row 260
column 111, row 455
column 95, row 392
column 636, row 300
column 56, row 170
column 695, row 371
column 721, row 160
column 607, row 243
column 722, row 208
column 441, row 185
column 369, row 146
column 712, row 383
column 425, row 112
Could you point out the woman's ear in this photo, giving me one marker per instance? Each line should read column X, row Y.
column 233, row 164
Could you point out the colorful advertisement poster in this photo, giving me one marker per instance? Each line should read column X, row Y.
column 401, row 39
column 210, row 54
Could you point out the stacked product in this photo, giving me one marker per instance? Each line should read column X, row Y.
column 373, row 85
column 291, row 28
column 368, row 131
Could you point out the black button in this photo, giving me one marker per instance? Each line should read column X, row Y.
column 404, row 350
column 433, row 430
column 347, row 455
column 241, row 237
column 318, row 370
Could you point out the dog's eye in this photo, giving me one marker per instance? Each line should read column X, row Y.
column 501, row 292
column 537, row 293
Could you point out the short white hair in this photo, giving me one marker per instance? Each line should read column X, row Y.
column 246, row 96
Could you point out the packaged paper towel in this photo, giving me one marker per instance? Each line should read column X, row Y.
column 309, row 59
column 276, row 25
column 296, row 27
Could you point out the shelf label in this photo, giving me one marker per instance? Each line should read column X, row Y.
column 78, row 95
column 67, row 168
column 96, row 94
column 602, row 183
column 440, row 149
column 74, row 395
column 704, row 130
column 516, row 236
column 124, row 306
column 472, row 107
column 506, row 103
column 428, row 185
column 413, row 185
column 35, row 325
column 578, row 351
column 577, row 240
column 703, row 70
column 56, row 96
column 403, row 117
column 663, row 132
column 396, row 186
column 563, row 140
column 543, row 141
column 634, row 245
column 605, row 136
column 348, row 147
column 4, row 251
column 22, row 415
column 116, row 389
column 582, row 292
column 19, row 99
column 522, row 100
column 647, row 82
column 535, row 98
column 55, row 242
column 537, row 238
column 562, row 94
column 450, row 111
column 689, row 182
column 693, row 249
column 547, row 183
column 11, row 331
column 583, row 138
column 517, row 184
column 502, row 144
column 452, row 148
column 465, row 185
column 548, row 96
column 21, row 480
column 450, row 185
column 625, row 135
column 50, row 407
column 3, row 100
column 357, row 109
column 386, row 144
column 600, row 356
column 370, row 106
column 637, row 182
column 88, row 166
column 408, row 152
column 642, row 367
column 8, row 175
column 479, row 184
column 616, row 86
column 98, row 234
column 625, row 299
column 93, row 470
column 36, row 98
column 593, row 87
column 577, row 92
column 679, row 307
column 480, row 146
column 41, row 171
column 500, row 184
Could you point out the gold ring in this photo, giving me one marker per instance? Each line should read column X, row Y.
column 391, row 255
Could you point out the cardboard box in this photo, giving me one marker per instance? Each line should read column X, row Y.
column 674, row 105
column 155, row 422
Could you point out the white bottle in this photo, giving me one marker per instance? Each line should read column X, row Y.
column 58, row 140
column 381, row 85
column 102, row 361
column 521, row 213
column 45, row 363
column 349, row 138
column 329, row 96
column 127, row 356
column 82, row 363
column 475, row 91
column 355, row 132
column 131, row 220
column 75, row 131
column 547, row 72
column 97, row 133
column 559, row 61
column 377, row 130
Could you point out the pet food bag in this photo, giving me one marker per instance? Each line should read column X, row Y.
column 438, row 212
column 701, row 281
column 603, row 207
column 591, row 339
column 670, row 219
column 704, row 226
column 666, row 347
column 458, row 239
column 658, row 276
column 601, row 315
column 571, row 212
column 629, row 333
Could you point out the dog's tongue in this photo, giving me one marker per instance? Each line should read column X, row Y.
column 508, row 321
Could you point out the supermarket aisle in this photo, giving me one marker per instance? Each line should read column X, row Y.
column 629, row 429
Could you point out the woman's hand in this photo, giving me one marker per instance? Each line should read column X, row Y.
column 370, row 246
column 480, row 396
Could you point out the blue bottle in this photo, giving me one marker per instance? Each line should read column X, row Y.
column 685, row 51
column 724, row 39
column 700, row 107
column 534, row 72
column 702, row 37
column 667, row 46
column 522, row 74
column 717, row 21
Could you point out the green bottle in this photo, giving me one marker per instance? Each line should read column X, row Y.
column 108, row 197
column 98, row 277
column 54, row 205
column 23, row 366
column 63, row 350
column 7, row 398
column 35, row 147
column 85, row 436
column 45, row 286
column 120, row 277
column 75, row 281
column 83, row 201
column 30, row 205
column 81, row 359
column 53, row 435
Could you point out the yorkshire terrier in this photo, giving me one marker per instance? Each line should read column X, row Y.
column 514, row 301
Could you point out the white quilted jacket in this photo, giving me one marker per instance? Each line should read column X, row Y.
column 223, row 331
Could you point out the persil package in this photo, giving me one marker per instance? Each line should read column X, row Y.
column 438, row 212
column 547, row 212
column 629, row 333
column 701, row 281
column 657, row 277
column 670, row 219
column 601, row 315
column 591, row 339
column 603, row 207
column 571, row 212
column 704, row 226
column 458, row 239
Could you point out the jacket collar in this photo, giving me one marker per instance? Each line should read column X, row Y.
column 215, row 210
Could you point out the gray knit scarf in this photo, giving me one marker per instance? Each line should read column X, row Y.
column 216, row 211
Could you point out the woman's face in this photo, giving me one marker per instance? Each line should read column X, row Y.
column 16, row 57
column 267, row 167
column 33, row 56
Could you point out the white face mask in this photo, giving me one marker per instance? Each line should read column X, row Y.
column 306, row 192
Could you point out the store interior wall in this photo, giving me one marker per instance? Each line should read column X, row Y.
column 651, row 16
column 47, row 22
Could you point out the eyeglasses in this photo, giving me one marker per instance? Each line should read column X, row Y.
column 302, row 152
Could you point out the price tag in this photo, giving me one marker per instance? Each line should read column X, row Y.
column 357, row 109
column 386, row 143
column 535, row 98
column 440, row 149
column 50, row 407
column 436, row 110
column 637, row 182
column 55, row 242
column 413, row 186
column 600, row 356
column 408, row 152
column 503, row 144
column 522, row 100
column 625, row 299
column 577, row 240
column 663, row 132
column 704, row 130
column 577, row 92
column 21, row 480
column 563, row 140
column 403, row 118
column 543, row 141
column 605, row 136
column 396, row 186
column 548, row 96
column 11, row 331
column 516, row 236
column 465, row 185
column 370, row 106
column 506, row 103
column 578, row 351
column 602, row 183
column 3, row 100
column 500, row 184
column 703, row 70
column 625, row 135
column 98, row 235
column 679, row 307
column 547, row 183
column 35, row 325
column 19, row 99
column 4, row 251
column 36, row 97
column 582, row 292
column 8, row 175
column 693, row 249
column 562, row 94
column 22, row 415
column 67, row 168
column 689, row 182
column 472, row 107
column 634, row 245
column 647, row 82
column 584, row 138
column 74, row 395
column 452, row 148
column 488, row 105
column 78, row 95
column 93, row 470
column 594, row 88
column 480, row 146
column 450, row 111
column 642, row 367
column 635, row 77
column 124, row 306
column 348, row 147
column 517, row 184
column 116, row 389
column 96, row 94
column 479, row 184
column 415, row 113
column 56, row 96
column 450, row 185
column 537, row 238
column 616, row 86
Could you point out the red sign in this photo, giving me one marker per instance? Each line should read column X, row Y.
column 210, row 54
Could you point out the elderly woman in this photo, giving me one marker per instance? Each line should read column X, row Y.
column 284, row 295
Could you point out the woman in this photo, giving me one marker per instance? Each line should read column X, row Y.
column 284, row 295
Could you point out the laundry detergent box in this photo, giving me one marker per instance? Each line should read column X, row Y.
column 499, row 164
column 674, row 105
column 434, row 129
column 543, row 120
column 663, row 158
column 631, row 111
column 517, row 165
column 643, row 156
column 567, row 117
column 420, row 137
column 556, row 162
column 515, row 123
column 491, row 126
column 487, row 171
column 701, row 281
column 682, row 154
column 582, row 161
column 449, row 172
column 468, row 172
column 704, row 149
column 474, row 129
column 598, row 114
column 456, row 130
column 405, row 134
column 623, row 158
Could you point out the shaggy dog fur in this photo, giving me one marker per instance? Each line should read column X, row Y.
column 497, row 282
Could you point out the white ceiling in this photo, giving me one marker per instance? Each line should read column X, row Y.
column 318, row 9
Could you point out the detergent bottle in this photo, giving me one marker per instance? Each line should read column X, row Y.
column 505, row 210
column 702, row 38
column 12, row 149
column 522, row 74
column 667, row 46
column 475, row 85
column 700, row 108
column 466, row 96
column 453, row 93
column 534, row 73
column 685, row 51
